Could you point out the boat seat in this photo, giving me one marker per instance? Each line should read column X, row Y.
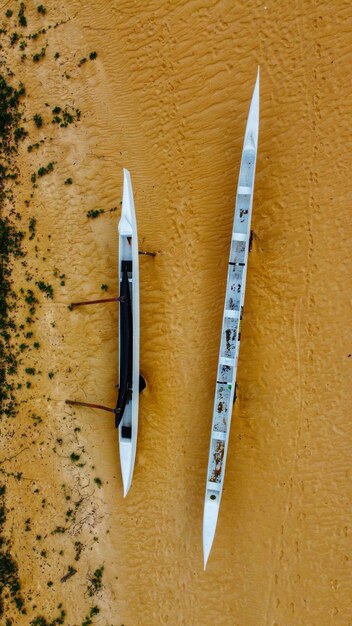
column 244, row 191
column 126, row 432
column 126, row 265
column 239, row 236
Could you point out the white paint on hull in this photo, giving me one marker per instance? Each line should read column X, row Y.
column 128, row 251
column 231, row 328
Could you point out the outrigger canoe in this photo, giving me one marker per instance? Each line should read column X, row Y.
column 231, row 328
column 129, row 379
column 130, row 382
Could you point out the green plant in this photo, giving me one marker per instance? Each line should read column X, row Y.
column 22, row 20
column 95, row 581
column 93, row 213
column 46, row 288
column 38, row 120
column 32, row 227
column 9, row 580
column 38, row 55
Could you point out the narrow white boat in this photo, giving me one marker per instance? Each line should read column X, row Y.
column 129, row 380
column 231, row 328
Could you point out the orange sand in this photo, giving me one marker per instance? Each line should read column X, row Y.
column 168, row 97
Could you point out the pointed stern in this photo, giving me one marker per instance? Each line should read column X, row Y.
column 127, row 221
column 127, row 465
column 210, row 518
column 252, row 128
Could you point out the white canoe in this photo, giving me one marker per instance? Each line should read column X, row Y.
column 231, row 328
column 128, row 258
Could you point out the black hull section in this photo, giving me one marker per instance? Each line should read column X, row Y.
column 126, row 344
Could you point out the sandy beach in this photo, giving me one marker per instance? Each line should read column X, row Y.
column 163, row 88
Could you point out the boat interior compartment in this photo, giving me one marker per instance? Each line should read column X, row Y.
column 216, row 460
column 228, row 338
column 245, row 187
column 222, row 402
column 238, row 251
column 125, row 251
column 126, row 432
column 233, row 297
column 225, row 374
column 126, row 265
column 247, row 169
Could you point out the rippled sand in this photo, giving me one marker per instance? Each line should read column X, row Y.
column 167, row 97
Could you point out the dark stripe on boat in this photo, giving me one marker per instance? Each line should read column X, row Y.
column 126, row 343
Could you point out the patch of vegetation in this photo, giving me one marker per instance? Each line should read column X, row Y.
column 46, row 288
column 14, row 38
column 30, row 299
column 78, row 550
column 31, row 227
column 94, row 213
column 9, row 13
column 42, row 171
column 22, row 20
column 93, row 55
column 41, row 621
column 41, row 9
column 38, row 55
column 88, row 620
column 95, row 581
column 35, row 146
column 98, row 482
column 75, row 457
column 68, row 181
column 10, row 585
column 104, row 287
column 38, row 120
column 59, row 530
column 63, row 117
column 82, row 61
column 10, row 237
column 19, row 134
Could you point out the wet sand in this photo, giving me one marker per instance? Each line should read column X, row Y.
column 167, row 97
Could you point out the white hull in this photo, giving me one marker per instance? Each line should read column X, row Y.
column 128, row 251
column 231, row 328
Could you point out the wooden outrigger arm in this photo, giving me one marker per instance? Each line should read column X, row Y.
column 118, row 299
column 90, row 405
